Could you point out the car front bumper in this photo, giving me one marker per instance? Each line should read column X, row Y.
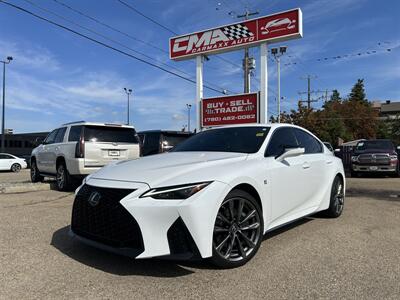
column 166, row 227
column 373, row 168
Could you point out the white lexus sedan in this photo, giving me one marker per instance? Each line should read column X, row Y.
column 214, row 196
column 12, row 163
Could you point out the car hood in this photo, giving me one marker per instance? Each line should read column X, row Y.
column 372, row 151
column 169, row 168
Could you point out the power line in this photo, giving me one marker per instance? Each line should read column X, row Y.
column 144, row 16
column 116, row 42
column 165, row 27
column 102, row 43
column 108, row 26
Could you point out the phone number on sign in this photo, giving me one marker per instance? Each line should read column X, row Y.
column 230, row 118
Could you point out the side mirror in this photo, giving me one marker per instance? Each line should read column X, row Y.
column 398, row 147
column 290, row 152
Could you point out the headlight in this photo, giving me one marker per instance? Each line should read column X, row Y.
column 177, row 192
column 393, row 157
column 354, row 158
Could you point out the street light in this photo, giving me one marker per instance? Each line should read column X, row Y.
column 188, row 106
column 128, row 93
column 5, row 62
column 277, row 53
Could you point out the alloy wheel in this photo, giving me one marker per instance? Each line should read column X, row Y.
column 16, row 168
column 60, row 176
column 237, row 229
column 339, row 197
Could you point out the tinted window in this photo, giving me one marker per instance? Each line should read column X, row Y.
column 74, row 133
column 173, row 139
column 281, row 139
column 307, row 141
column 235, row 139
column 5, row 156
column 51, row 137
column 151, row 143
column 60, row 135
column 378, row 145
column 110, row 134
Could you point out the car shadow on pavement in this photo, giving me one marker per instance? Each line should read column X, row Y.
column 112, row 263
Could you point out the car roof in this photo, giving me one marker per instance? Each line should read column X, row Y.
column 166, row 131
column 98, row 124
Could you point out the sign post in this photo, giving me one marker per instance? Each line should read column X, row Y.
column 261, row 31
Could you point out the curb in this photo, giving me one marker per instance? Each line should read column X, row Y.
column 13, row 188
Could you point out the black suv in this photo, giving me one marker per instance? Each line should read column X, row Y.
column 158, row 141
column 374, row 156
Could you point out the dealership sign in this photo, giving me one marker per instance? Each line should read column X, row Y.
column 226, row 110
column 273, row 28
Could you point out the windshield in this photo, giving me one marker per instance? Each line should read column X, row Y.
column 110, row 134
column 381, row 145
column 235, row 139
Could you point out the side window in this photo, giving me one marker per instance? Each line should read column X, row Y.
column 308, row 142
column 74, row 133
column 60, row 135
column 51, row 137
column 3, row 156
column 282, row 138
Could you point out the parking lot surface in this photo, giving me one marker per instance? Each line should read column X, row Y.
column 356, row 256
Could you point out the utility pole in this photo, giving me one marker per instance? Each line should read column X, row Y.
column 309, row 92
column 5, row 62
column 188, row 106
column 277, row 53
column 248, row 62
column 128, row 93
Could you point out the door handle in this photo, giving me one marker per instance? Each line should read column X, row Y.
column 328, row 162
column 306, row 165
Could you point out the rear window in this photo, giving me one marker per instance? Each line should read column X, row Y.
column 110, row 134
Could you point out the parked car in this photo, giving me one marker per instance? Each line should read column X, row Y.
column 329, row 146
column 11, row 162
column 213, row 196
column 158, row 141
column 373, row 156
column 80, row 148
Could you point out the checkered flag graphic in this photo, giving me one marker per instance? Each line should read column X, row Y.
column 237, row 31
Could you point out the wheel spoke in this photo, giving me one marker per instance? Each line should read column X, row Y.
column 220, row 229
column 222, row 243
column 241, row 250
column 249, row 216
column 222, row 218
column 230, row 248
column 232, row 210
column 250, row 226
column 240, row 210
column 247, row 240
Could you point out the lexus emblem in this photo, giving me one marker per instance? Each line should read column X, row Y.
column 94, row 199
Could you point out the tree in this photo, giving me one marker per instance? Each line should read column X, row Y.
column 357, row 93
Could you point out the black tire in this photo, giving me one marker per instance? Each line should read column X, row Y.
column 16, row 168
column 63, row 179
column 240, row 219
column 336, row 204
column 35, row 173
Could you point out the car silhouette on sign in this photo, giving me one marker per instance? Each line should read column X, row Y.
column 278, row 25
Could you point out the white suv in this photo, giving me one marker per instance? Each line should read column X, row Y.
column 80, row 148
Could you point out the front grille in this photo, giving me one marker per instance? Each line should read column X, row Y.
column 374, row 159
column 105, row 220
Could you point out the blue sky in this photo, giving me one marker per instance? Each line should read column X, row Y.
column 57, row 77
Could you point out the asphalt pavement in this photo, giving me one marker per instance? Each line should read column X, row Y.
column 356, row 256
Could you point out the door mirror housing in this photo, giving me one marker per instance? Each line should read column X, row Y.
column 38, row 141
column 290, row 152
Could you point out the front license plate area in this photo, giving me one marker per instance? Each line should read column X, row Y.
column 373, row 168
